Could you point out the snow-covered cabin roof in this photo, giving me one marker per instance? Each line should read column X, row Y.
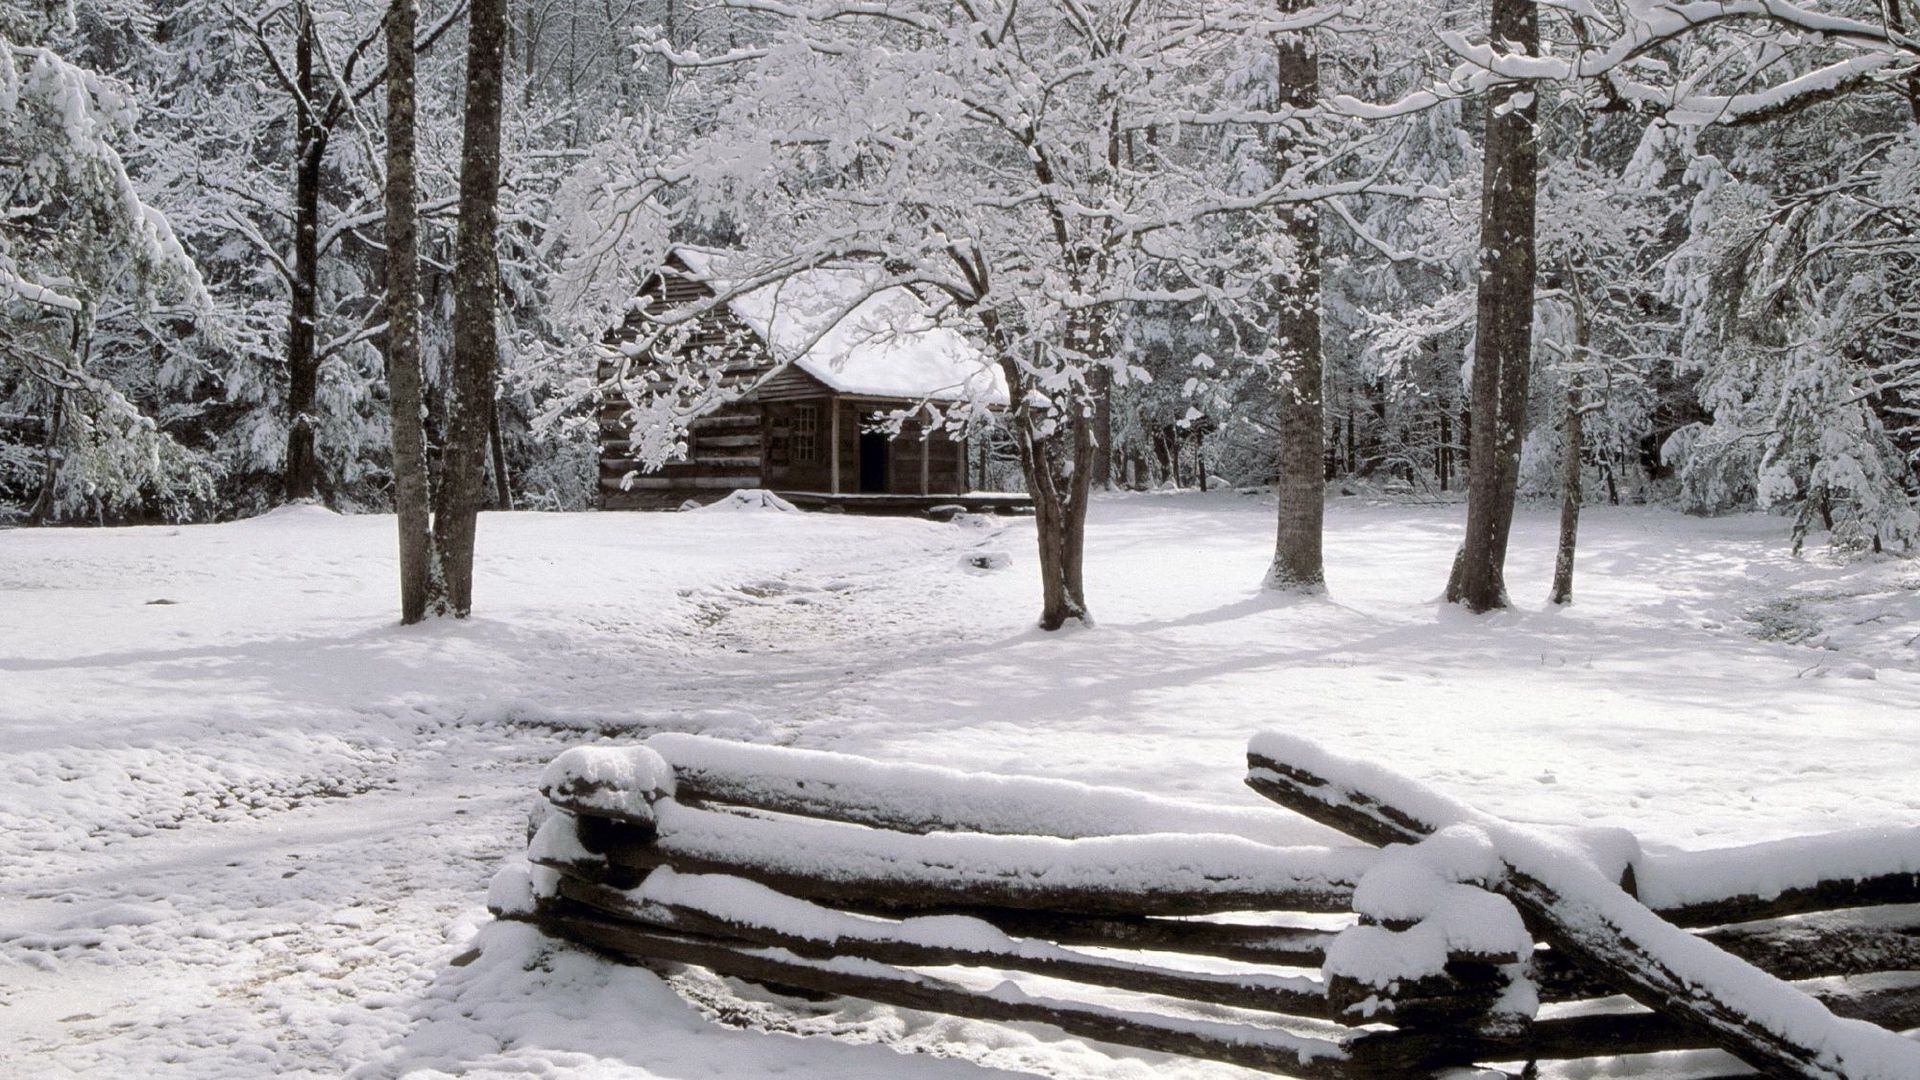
column 889, row 344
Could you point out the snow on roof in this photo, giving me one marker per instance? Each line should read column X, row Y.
column 889, row 344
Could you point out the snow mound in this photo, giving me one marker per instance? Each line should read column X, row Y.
column 751, row 499
column 985, row 562
column 620, row 782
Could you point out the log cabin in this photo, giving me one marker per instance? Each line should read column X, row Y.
column 823, row 361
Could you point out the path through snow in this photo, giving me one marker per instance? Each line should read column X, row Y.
column 245, row 832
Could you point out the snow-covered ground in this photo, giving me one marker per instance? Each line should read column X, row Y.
column 246, row 822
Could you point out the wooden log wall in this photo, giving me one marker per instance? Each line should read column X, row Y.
column 724, row 447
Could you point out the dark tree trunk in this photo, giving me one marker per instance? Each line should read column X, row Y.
column 1574, row 436
column 502, row 481
column 42, row 510
column 476, row 348
column 1503, row 337
column 1302, row 488
column 303, row 360
column 1058, row 468
column 1060, row 477
column 1103, row 431
column 419, row 584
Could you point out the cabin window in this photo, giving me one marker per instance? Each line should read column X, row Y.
column 806, row 433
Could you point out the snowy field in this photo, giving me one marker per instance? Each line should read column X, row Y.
column 246, row 822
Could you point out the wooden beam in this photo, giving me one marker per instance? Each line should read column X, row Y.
column 890, row 942
column 1586, row 1035
column 1637, row 955
column 833, row 455
column 926, row 455
column 1380, row 1054
column 1119, row 875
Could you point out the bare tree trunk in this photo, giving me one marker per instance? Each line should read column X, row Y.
column 1503, row 337
column 476, row 348
column 42, row 510
column 1302, row 487
column 1060, row 477
column 1574, row 437
column 502, row 482
column 1103, row 431
column 1058, row 467
column 303, row 361
column 419, row 584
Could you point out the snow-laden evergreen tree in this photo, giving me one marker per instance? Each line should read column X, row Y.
column 80, row 251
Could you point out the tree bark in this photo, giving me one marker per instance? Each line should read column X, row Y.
column 1573, row 436
column 1103, row 432
column 303, row 361
column 502, row 481
column 1503, row 337
column 1302, row 486
column 1059, row 474
column 476, row 290
column 411, row 490
column 42, row 509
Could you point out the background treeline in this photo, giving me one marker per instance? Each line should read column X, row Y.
column 1731, row 304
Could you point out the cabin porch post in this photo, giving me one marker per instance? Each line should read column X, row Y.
column 833, row 440
column 926, row 455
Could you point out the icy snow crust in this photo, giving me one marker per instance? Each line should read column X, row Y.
column 245, row 834
column 840, row 327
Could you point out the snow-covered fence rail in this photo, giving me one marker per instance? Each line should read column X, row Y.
column 839, row 875
column 1596, row 903
column 1207, row 932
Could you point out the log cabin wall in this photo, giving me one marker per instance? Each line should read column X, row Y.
column 724, row 447
column 781, row 436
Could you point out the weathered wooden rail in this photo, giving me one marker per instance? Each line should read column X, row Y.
column 1187, row 930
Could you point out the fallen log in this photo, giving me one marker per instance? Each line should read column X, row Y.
column 1590, row 919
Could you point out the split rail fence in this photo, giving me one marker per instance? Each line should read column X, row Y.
column 1446, row 938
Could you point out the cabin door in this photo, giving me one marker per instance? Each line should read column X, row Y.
column 873, row 460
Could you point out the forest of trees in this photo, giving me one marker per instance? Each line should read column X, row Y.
column 1617, row 250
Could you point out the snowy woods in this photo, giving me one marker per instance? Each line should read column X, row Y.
column 1628, row 251
column 960, row 539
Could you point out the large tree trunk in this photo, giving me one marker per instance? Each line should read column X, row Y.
column 303, row 360
column 1059, row 474
column 1302, row 488
column 418, row 582
column 476, row 349
column 1056, row 460
column 1503, row 337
